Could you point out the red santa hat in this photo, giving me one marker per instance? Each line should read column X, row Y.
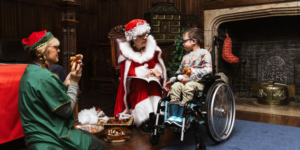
column 36, row 40
column 135, row 28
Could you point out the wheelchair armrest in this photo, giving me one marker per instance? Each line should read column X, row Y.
column 210, row 77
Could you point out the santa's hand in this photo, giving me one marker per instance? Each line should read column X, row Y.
column 168, row 85
column 149, row 75
column 156, row 72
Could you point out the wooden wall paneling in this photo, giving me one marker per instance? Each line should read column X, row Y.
column 83, row 4
column 92, row 4
column 82, row 29
column 92, row 35
column 29, row 19
column 139, row 7
column 149, row 3
column 104, row 20
column 45, row 16
column 121, row 11
column 114, row 13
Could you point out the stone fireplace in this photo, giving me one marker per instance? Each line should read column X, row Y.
column 266, row 37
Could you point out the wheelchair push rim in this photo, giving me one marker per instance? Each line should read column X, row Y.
column 220, row 111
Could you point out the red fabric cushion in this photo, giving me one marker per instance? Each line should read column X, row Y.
column 10, row 124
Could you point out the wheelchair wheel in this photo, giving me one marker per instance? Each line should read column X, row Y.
column 154, row 139
column 220, row 108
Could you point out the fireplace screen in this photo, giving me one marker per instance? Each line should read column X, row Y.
column 277, row 66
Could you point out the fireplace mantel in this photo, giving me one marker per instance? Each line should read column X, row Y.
column 214, row 18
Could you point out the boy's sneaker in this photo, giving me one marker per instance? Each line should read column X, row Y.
column 170, row 120
column 178, row 121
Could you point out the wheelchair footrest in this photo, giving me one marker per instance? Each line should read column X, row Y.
column 160, row 126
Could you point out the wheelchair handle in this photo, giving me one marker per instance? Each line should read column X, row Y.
column 164, row 92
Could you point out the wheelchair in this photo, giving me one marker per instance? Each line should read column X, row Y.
column 215, row 104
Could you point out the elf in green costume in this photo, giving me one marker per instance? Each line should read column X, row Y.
column 46, row 108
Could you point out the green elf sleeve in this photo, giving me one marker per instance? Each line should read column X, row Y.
column 53, row 93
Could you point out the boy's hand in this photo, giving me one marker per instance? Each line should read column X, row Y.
column 184, row 80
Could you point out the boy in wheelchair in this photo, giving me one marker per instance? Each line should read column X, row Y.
column 199, row 63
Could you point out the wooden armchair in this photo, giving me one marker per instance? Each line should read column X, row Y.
column 116, row 35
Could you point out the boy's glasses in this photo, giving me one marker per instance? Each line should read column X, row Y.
column 184, row 41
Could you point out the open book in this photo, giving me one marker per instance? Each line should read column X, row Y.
column 147, row 79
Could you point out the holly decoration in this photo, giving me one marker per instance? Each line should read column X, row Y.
column 177, row 55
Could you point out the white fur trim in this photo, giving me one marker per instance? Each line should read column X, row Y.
column 158, row 67
column 143, row 108
column 136, row 31
column 126, row 114
column 127, row 66
column 121, row 58
column 148, row 54
column 142, row 71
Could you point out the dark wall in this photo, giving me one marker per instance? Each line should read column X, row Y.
column 19, row 18
column 119, row 12
column 254, row 38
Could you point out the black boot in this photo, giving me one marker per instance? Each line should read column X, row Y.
column 145, row 127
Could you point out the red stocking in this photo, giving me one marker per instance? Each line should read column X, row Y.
column 227, row 52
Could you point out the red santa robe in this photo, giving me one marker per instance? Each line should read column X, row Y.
column 137, row 97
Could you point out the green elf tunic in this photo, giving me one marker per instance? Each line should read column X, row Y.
column 40, row 94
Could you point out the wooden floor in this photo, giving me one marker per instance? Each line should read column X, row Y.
column 140, row 140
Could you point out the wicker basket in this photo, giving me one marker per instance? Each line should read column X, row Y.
column 124, row 134
column 92, row 128
column 113, row 123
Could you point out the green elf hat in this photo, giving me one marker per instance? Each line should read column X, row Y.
column 36, row 40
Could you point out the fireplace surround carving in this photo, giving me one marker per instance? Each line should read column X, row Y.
column 214, row 18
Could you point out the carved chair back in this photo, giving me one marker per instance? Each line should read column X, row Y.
column 116, row 35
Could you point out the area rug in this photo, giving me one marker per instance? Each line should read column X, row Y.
column 247, row 135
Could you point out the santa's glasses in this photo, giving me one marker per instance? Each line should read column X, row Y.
column 143, row 35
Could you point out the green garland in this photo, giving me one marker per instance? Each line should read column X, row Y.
column 177, row 55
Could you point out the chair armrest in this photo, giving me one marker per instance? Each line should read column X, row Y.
column 210, row 77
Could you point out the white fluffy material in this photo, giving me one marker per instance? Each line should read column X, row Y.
column 127, row 66
column 143, row 108
column 126, row 114
column 101, row 113
column 136, row 31
column 88, row 116
column 105, row 118
column 121, row 59
column 180, row 77
column 148, row 54
column 142, row 71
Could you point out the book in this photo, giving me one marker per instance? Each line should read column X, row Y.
column 147, row 79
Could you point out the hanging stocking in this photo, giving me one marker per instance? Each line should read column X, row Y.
column 227, row 51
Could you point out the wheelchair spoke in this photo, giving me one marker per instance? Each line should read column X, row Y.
column 221, row 115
